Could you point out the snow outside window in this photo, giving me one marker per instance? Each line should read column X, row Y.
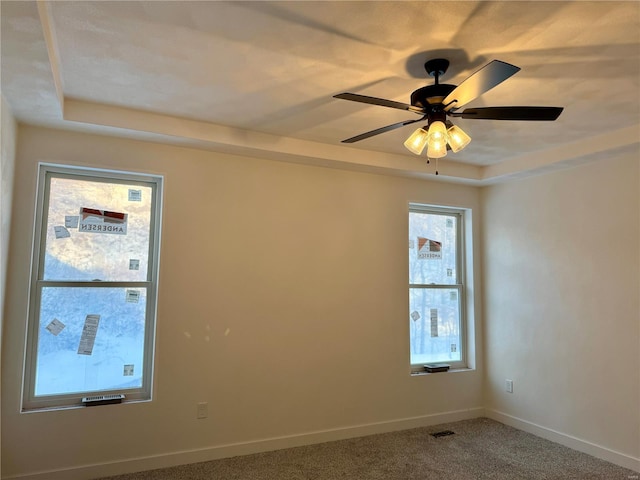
column 93, row 288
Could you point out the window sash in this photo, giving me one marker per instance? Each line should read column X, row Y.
column 462, row 363
column 30, row 401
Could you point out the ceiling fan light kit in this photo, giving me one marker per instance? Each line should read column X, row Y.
column 435, row 102
column 436, row 139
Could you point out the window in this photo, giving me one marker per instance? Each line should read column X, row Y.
column 93, row 286
column 436, row 286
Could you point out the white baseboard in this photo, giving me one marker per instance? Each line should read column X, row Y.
column 171, row 459
column 570, row 441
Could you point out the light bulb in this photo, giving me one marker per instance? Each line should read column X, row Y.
column 458, row 139
column 436, row 148
column 417, row 141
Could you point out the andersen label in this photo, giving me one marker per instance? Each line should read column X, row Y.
column 429, row 249
column 93, row 220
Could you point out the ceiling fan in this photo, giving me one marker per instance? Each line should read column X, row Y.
column 435, row 102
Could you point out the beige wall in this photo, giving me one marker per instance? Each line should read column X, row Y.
column 305, row 266
column 561, row 283
column 8, row 130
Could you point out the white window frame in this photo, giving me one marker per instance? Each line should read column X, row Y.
column 31, row 402
column 460, row 286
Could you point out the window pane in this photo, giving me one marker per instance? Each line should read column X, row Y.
column 432, row 248
column 434, row 325
column 97, row 230
column 90, row 339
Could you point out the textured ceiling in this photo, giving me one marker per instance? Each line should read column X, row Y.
column 259, row 77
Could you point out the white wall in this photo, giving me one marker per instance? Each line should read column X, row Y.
column 561, row 282
column 307, row 268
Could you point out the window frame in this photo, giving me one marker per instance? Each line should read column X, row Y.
column 461, row 281
column 47, row 171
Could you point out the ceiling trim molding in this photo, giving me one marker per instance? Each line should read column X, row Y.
column 209, row 136
column 48, row 31
column 570, row 154
column 213, row 137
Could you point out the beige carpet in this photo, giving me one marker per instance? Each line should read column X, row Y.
column 479, row 449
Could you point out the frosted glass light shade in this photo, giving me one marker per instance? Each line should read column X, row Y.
column 437, row 144
column 458, row 139
column 417, row 141
column 437, row 132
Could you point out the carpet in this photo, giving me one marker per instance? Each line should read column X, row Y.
column 479, row 449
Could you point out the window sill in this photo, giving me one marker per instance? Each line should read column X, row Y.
column 453, row 370
column 78, row 406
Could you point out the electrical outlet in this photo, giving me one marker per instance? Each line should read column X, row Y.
column 509, row 385
column 203, row 410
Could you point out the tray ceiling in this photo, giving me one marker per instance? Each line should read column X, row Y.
column 258, row 78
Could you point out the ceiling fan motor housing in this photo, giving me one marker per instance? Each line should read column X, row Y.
column 430, row 95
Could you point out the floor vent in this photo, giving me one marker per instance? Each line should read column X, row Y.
column 444, row 433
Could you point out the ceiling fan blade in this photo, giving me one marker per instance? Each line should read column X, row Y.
column 378, row 131
column 354, row 97
column 511, row 113
column 492, row 74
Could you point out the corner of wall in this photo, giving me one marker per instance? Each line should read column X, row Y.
column 8, row 134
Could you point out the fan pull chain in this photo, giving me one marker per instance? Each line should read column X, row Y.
column 429, row 163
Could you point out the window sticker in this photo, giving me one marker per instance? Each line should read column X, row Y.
column 449, row 272
column 415, row 315
column 132, row 296
column 434, row 322
column 71, row 221
column 128, row 370
column 454, row 348
column 61, row 232
column 453, row 296
column 429, row 249
column 102, row 221
column 135, row 195
column 450, row 222
column 134, row 264
column 89, row 332
column 55, row 327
